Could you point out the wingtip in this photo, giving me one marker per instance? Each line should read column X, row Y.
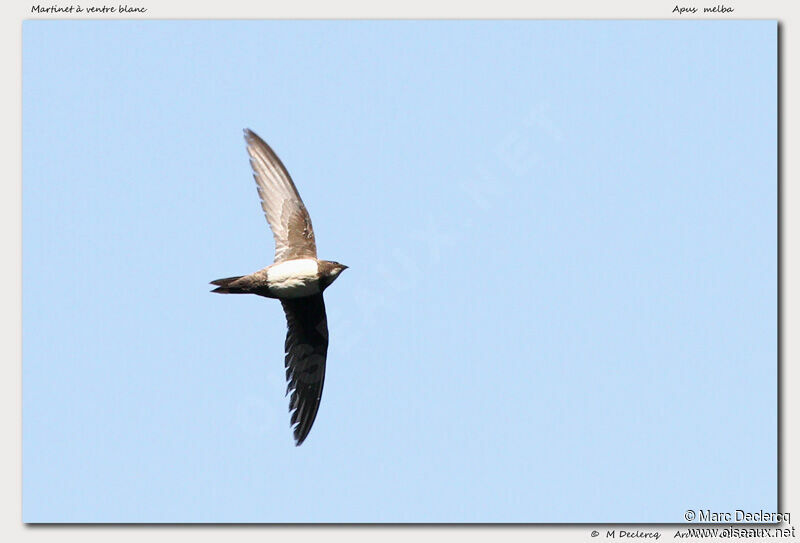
column 299, row 431
column 299, row 440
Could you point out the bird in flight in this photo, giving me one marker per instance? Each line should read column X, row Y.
column 297, row 279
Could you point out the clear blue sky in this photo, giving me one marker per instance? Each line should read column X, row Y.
column 561, row 301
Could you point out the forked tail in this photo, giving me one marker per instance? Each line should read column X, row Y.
column 224, row 286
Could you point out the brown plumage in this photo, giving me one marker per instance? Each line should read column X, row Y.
column 297, row 278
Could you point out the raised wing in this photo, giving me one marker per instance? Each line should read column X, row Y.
column 306, row 352
column 285, row 211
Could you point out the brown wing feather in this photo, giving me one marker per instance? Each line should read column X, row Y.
column 286, row 214
column 306, row 352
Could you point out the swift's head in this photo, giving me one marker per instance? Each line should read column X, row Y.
column 329, row 271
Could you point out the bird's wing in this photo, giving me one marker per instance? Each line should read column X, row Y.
column 306, row 351
column 286, row 214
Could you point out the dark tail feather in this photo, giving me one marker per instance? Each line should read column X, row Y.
column 225, row 288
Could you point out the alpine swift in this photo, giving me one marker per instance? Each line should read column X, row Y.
column 297, row 279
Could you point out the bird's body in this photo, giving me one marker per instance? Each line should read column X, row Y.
column 297, row 279
column 294, row 278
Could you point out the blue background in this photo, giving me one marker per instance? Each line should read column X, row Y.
column 561, row 301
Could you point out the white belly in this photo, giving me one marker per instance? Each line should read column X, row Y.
column 293, row 278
